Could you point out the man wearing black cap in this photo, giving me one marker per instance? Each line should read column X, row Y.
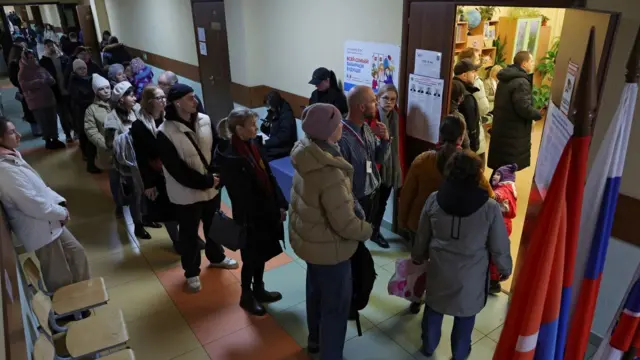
column 465, row 73
column 327, row 90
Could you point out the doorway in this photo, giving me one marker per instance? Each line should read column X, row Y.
column 88, row 28
column 557, row 40
column 213, row 58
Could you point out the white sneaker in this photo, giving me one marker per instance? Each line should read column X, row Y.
column 227, row 263
column 193, row 283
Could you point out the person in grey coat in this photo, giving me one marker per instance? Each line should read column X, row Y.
column 460, row 229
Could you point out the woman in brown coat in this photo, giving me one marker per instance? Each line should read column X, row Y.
column 36, row 83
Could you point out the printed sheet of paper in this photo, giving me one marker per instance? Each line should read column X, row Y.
column 557, row 131
column 203, row 48
column 428, row 63
column 569, row 85
column 424, row 107
column 201, row 34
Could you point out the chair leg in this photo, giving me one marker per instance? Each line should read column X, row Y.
column 54, row 325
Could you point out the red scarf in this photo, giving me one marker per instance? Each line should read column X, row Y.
column 250, row 151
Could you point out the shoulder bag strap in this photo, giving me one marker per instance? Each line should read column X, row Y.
column 195, row 145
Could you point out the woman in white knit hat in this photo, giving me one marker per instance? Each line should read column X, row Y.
column 118, row 122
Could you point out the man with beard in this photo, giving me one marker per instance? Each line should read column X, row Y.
column 360, row 147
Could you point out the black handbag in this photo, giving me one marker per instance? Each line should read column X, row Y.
column 227, row 232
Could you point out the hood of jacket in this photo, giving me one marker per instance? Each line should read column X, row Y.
column 512, row 72
column 28, row 64
column 307, row 157
column 460, row 199
column 470, row 88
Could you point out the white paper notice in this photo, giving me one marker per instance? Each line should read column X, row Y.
column 424, row 107
column 557, row 131
column 201, row 34
column 569, row 85
column 428, row 63
column 203, row 48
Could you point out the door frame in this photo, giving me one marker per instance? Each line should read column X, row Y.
column 447, row 64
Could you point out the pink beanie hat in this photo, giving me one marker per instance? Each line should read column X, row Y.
column 319, row 121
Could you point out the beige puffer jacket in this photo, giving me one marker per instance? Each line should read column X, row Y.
column 323, row 227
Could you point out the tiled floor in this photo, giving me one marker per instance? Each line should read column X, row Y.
column 145, row 280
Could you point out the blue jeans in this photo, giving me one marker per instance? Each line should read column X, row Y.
column 329, row 289
column 460, row 335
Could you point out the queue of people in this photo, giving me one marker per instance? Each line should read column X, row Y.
column 168, row 163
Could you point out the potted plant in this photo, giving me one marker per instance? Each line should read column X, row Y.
column 460, row 12
column 487, row 12
column 541, row 97
column 521, row 12
column 500, row 45
column 545, row 20
column 547, row 65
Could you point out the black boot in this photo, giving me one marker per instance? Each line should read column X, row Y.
column 494, row 287
column 141, row 233
column 265, row 297
column 151, row 224
column 92, row 168
column 54, row 144
column 380, row 240
column 249, row 303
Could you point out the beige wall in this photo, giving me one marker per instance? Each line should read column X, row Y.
column 50, row 15
column 280, row 42
column 163, row 27
column 100, row 16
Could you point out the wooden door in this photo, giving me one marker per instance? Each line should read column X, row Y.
column 213, row 58
column 37, row 16
column 86, row 24
column 573, row 45
column 431, row 26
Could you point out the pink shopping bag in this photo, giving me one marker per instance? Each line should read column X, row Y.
column 409, row 280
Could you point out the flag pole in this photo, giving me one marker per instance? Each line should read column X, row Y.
column 633, row 64
column 583, row 113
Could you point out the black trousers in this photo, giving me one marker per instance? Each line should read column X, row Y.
column 189, row 217
column 369, row 204
column 382, row 198
column 252, row 271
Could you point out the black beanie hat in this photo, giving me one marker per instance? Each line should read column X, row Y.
column 178, row 91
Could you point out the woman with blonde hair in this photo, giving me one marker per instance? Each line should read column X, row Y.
column 491, row 84
column 256, row 201
column 144, row 133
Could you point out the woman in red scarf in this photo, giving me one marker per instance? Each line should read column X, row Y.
column 257, row 203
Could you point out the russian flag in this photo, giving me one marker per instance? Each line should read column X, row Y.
column 603, row 185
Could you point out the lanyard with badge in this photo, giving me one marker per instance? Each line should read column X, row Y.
column 369, row 164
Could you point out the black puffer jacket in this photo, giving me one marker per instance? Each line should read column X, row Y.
column 469, row 109
column 513, row 114
column 281, row 127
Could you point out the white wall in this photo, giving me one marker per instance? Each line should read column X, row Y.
column 285, row 40
column 50, row 15
column 162, row 27
column 622, row 258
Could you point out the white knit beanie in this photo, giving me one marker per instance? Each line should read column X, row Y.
column 119, row 90
column 98, row 82
column 77, row 63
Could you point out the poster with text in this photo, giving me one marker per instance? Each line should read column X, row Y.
column 370, row 64
column 424, row 107
column 557, row 131
column 569, row 85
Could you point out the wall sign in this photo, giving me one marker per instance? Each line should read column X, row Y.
column 370, row 64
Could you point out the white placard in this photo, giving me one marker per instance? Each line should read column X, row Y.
column 203, row 48
column 557, row 131
column 201, row 34
column 424, row 107
column 428, row 63
column 370, row 64
column 569, row 85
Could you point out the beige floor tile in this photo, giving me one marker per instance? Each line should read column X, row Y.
column 495, row 334
column 162, row 336
column 159, row 252
column 140, row 298
column 102, row 237
column 382, row 257
column 381, row 305
column 374, row 345
column 493, row 314
column 197, row 354
column 483, row 349
column 120, row 267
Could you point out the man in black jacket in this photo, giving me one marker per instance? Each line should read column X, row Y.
column 513, row 115
column 465, row 72
column 56, row 63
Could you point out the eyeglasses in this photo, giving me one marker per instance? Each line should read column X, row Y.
column 161, row 98
column 389, row 99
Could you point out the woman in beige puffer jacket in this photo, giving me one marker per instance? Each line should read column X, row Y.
column 324, row 229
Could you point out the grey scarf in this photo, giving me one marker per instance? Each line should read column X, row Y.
column 332, row 149
column 391, row 171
